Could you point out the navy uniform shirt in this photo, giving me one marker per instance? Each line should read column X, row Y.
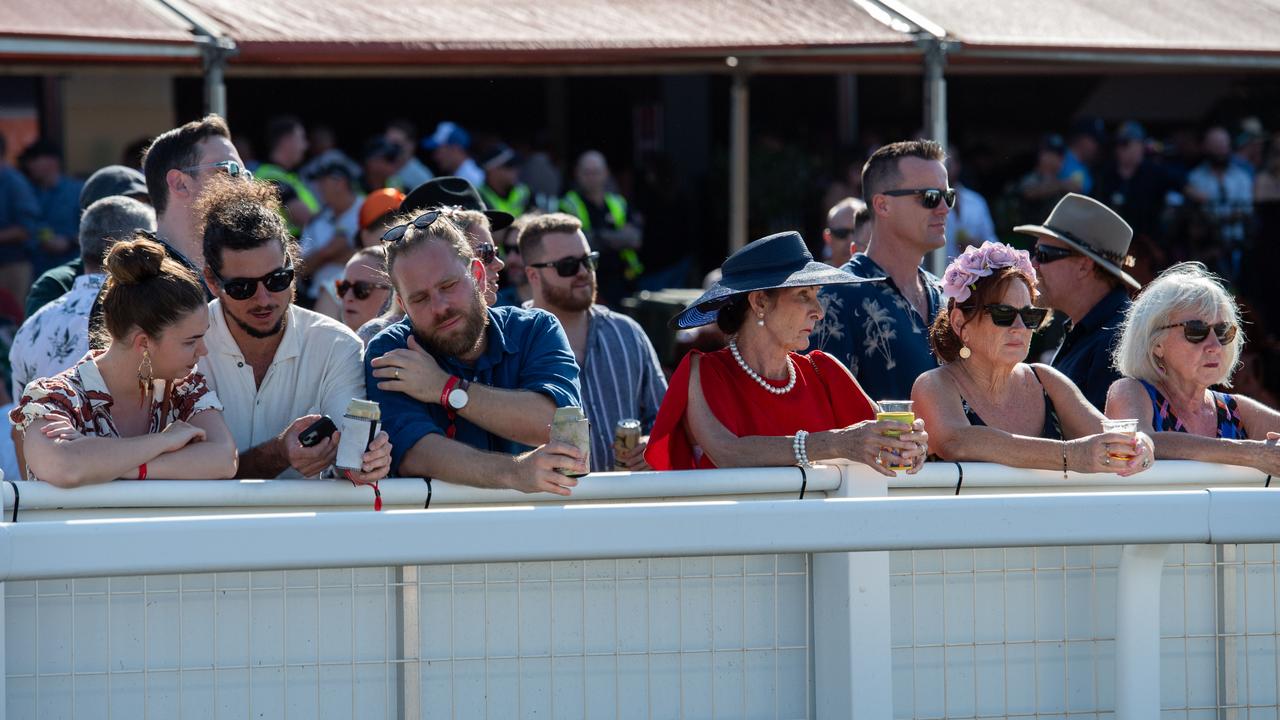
column 874, row 331
column 1085, row 354
column 527, row 350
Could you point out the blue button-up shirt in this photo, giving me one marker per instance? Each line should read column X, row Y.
column 1085, row 354
column 527, row 350
column 60, row 213
column 874, row 331
column 18, row 206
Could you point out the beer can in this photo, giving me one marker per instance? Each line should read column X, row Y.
column 626, row 435
column 359, row 428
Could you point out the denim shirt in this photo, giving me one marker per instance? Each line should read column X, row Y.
column 527, row 350
column 874, row 331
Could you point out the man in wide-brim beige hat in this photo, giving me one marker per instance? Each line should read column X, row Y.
column 1080, row 255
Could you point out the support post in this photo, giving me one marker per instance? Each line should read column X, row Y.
column 216, row 53
column 935, row 116
column 853, row 658
column 1138, row 632
column 739, row 158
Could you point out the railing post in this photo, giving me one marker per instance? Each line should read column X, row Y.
column 853, row 661
column 1138, row 632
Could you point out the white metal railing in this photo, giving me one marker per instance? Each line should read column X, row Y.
column 462, row 527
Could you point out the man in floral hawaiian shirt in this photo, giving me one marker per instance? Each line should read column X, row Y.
column 880, row 330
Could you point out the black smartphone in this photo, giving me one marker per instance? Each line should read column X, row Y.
column 317, row 432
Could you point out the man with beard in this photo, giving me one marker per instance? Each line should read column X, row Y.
column 621, row 378
column 466, row 391
column 276, row 367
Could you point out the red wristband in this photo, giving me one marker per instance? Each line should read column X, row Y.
column 142, row 471
column 449, row 385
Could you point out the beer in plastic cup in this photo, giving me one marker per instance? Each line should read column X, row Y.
column 571, row 427
column 1124, row 426
column 897, row 411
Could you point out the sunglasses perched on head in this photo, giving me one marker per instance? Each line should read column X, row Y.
column 1002, row 315
column 1045, row 254
column 422, row 222
column 1197, row 331
column 230, row 167
column 245, row 288
column 568, row 267
column 929, row 197
column 362, row 288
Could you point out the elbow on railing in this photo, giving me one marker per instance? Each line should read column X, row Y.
column 61, row 471
column 228, row 467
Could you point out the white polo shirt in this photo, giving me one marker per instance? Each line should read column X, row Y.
column 317, row 369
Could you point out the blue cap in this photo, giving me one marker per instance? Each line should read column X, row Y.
column 1130, row 131
column 447, row 133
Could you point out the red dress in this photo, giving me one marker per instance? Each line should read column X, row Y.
column 825, row 397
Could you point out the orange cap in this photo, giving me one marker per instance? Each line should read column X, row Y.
column 379, row 203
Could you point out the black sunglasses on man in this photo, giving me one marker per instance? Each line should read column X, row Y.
column 568, row 267
column 929, row 197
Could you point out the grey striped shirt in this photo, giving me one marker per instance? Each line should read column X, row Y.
column 621, row 378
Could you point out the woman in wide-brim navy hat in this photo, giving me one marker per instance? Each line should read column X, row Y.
column 759, row 402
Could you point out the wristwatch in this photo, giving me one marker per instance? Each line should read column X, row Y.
column 458, row 397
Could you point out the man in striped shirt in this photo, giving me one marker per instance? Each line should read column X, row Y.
column 620, row 375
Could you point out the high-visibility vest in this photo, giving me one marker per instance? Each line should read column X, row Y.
column 617, row 207
column 268, row 171
column 515, row 203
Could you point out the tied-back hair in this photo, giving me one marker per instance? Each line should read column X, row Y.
column 234, row 214
column 1187, row 286
column 734, row 313
column 443, row 229
column 881, row 171
column 146, row 289
column 943, row 338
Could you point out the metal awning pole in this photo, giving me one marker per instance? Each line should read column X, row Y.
column 935, row 116
column 739, row 116
column 215, row 86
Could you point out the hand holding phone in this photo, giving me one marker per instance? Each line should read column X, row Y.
column 316, row 432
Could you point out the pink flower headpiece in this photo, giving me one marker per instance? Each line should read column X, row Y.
column 977, row 263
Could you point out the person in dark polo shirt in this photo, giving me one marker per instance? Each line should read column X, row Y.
column 1080, row 255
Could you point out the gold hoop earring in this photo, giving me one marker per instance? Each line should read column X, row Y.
column 965, row 352
column 146, row 377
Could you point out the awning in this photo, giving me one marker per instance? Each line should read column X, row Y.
column 143, row 31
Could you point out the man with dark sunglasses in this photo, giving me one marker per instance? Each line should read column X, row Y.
column 620, row 375
column 839, row 234
column 278, row 368
column 1080, row 254
column 468, row 391
column 879, row 330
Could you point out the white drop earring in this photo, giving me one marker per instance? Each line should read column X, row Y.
column 760, row 322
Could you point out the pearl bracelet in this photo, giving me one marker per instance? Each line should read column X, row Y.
column 799, row 446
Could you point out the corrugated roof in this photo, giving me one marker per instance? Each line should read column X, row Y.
column 127, row 20
column 534, row 31
column 1179, row 26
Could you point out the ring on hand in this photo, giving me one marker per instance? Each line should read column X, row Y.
column 1146, row 462
column 880, row 457
column 397, row 373
column 1106, row 459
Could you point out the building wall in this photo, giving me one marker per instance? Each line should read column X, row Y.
column 103, row 113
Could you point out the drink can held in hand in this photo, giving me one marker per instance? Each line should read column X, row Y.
column 626, row 436
column 571, row 427
column 897, row 411
column 359, row 428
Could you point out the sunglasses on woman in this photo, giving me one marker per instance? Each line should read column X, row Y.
column 245, row 288
column 929, row 197
column 1197, row 331
column 1002, row 315
column 568, row 267
column 362, row 288
column 422, row 222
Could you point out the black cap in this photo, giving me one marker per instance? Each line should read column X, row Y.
column 499, row 155
column 113, row 180
column 449, row 192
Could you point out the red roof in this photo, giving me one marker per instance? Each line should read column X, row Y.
column 70, row 30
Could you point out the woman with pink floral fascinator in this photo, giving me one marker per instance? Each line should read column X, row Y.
column 984, row 403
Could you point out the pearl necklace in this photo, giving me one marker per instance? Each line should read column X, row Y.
column 791, row 371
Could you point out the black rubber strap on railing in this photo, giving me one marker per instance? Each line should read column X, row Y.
column 16, row 499
column 427, row 505
column 804, row 481
column 959, row 480
column 1267, row 484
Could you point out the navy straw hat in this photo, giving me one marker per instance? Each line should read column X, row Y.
column 776, row 261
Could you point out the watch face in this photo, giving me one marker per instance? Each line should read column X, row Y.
column 458, row 399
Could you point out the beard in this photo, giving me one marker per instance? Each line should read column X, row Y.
column 254, row 332
column 464, row 338
column 566, row 299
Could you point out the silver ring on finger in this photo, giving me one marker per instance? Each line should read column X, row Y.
column 880, row 457
column 1106, row 459
column 397, row 373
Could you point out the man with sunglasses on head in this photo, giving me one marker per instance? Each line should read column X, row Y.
column 1079, row 256
column 468, row 391
column 277, row 367
column 879, row 330
column 620, row 375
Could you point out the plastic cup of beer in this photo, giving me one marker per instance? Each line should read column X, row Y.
column 1124, row 426
column 897, row 411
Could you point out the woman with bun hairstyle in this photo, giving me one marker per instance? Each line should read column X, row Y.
column 137, row 409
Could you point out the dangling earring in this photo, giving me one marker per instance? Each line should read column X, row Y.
column 965, row 352
column 145, row 376
column 760, row 322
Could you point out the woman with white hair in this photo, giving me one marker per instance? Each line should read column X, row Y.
column 1181, row 336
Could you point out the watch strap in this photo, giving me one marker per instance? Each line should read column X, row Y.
column 449, row 385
